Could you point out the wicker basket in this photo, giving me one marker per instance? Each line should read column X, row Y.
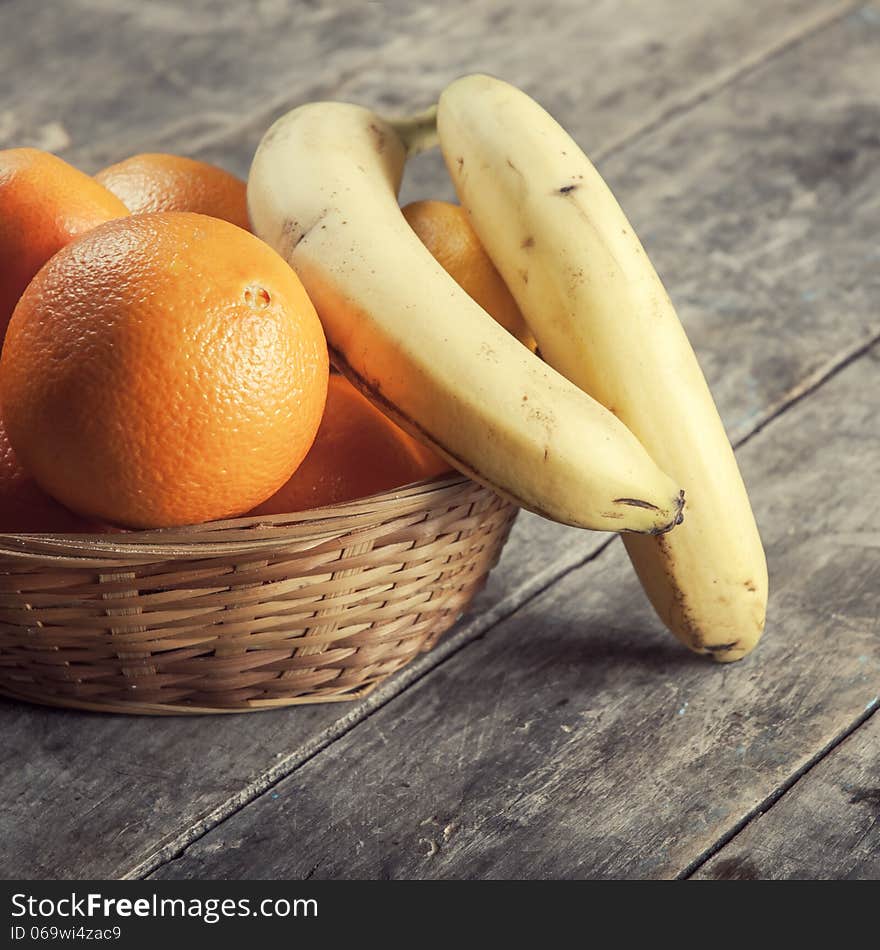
column 244, row 614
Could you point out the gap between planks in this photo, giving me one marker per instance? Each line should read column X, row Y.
column 742, row 69
column 479, row 627
column 239, row 124
column 541, row 582
column 782, row 789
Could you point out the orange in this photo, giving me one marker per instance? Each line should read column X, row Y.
column 163, row 369
column 445, row 230
column 25, row 507
column 44, row 204
column 358, row 452
column 157, row 182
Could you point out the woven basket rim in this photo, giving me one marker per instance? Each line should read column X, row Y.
column 297, row 530
column 321, row 607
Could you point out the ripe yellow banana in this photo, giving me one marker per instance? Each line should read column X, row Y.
column 322, row 190
column 602, row 318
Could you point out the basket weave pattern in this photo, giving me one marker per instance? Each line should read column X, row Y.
column 244, row 614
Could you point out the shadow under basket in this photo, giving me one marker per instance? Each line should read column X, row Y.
column 246, row 614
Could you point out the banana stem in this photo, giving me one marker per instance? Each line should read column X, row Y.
column 417, row 132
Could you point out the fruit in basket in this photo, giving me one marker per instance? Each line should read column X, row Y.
column 44, row 204
column 445, row 231
column 25, row 507
column 163, row 369
column 155, row 181
column 414, row 342
column 603, row 319
column 358, row 451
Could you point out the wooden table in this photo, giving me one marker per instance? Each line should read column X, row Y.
column 557, row 731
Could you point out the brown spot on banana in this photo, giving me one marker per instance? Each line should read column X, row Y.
column 488, row 353
column 378, row 137
column 293, row 234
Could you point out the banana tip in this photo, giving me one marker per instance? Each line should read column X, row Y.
column 729, row 656
column 677, row 518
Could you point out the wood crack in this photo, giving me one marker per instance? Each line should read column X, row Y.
column 778, row 793
column 452, row 645
column 734, row 75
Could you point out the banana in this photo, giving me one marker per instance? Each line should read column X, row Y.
column 602, row 318
column 322, row 191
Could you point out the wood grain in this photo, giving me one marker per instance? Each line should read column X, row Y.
column 116, row 77
column 827, row 827
column 119, row 795
column 578, row 740
column 625, row 65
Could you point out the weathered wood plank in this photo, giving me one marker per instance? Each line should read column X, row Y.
column 143, row 788
column 113, row 76
column 826, row 828
column 577, row 740
column 605, row 69
column 119, row 76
